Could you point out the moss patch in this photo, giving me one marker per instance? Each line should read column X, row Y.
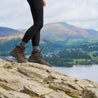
column 4, row 87
column 73, row 96
column 32, row 94
column 7, row 66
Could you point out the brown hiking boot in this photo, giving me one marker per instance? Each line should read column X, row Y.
column 37, row 57
column 18, row 53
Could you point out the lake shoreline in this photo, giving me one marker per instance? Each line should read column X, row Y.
column 89, row 72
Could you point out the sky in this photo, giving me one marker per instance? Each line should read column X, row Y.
column 82, row 13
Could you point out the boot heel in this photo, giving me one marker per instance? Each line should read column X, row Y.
column 11, row 53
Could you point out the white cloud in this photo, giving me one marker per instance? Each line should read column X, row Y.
column 82, row 13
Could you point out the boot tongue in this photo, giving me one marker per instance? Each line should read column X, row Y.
column 38, row 51
column 23, row 48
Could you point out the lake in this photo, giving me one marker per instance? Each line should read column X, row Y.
column 82, row 72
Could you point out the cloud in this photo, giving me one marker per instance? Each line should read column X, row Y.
column 15, row 13
column 82, row 13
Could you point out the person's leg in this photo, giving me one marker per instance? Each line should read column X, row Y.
column 39, row 20
column 38, row 24
column 35, row 42
column 36, row 39
column 33, row 32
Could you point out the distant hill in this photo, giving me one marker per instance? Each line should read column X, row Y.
column 62, row 30
column 59, row 31
column 83, row 32
column 92, row 32
column 6, row 32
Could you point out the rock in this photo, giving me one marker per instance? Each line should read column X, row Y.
column 34, row 73
column 89, row 92
column 40, row 81
column 12, row 94
column 17, row 83
column 57, row 95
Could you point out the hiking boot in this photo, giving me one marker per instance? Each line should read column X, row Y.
column 37, row 57
column 18, row 53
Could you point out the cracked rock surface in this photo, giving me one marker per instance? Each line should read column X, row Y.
column 33, row 80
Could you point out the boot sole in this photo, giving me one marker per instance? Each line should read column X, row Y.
column 32, row 60
column 12, row 54
column 37, row 62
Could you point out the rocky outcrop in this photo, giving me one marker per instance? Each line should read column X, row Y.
column 90, row 92
column 33, row 80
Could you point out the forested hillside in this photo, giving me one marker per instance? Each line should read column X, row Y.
column 79, row 54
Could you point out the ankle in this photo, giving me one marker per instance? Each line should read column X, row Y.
column 22, row 44
column 35, row 48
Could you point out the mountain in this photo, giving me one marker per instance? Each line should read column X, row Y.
column 33, row 80
column 59, row 31
column 6, row 32
column 92, row 32
column 62, row 30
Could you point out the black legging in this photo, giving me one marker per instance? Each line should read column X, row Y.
column 33, row 32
